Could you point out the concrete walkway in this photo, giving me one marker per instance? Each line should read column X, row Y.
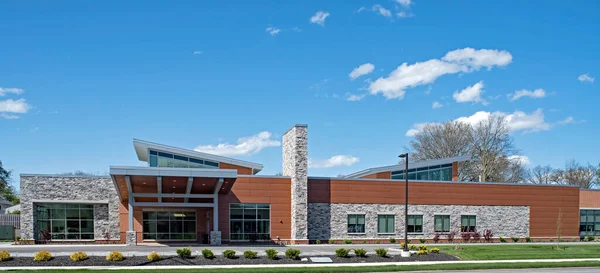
column 293, row 265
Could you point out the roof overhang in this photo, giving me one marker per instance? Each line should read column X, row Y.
column 411, row 165
column 142, row 148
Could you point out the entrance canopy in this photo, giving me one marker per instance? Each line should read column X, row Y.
column 172, row 187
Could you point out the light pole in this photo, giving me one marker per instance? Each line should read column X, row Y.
column 405, row 156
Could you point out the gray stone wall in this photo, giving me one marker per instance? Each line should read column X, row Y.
column 295, row 165
column 72, row 188
column 330, row 221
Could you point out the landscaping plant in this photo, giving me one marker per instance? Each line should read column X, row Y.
column 292, row 253
column 422, row 247
column 590, row 239
column 331, row 241
column 115, row 256
column 249, row 254
column 42, row 256
column 78, row 256
column 342, row 252
column 4, row 256
column 392, row 240
column 466, row 236
column 528, row 239
column 476, row 236
column 229, row 254
column 318, row 242
column 435, row 250
column 208, row 254
column 412, row 247
column 502, row 240
column 487, row 235
column 436, row 238
column 185, row 252
column 377, row 242
column 451, row 236
column 515, row 239
column 381, row 252
column 359, row 252
column 271, row 254
column 422, row 240
column 153, row 256
column 422, row 252
column 364, row 241
column 347, row 241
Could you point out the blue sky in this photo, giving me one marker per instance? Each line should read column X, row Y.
column 80, row 79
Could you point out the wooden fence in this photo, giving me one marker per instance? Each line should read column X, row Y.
column 10, row 220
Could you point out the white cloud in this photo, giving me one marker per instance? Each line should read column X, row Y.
column 360, row 10
column 471, row 94
column 536, row 94
column 417, row 128
column 197, row 52
column 405, row 3
column 272, row 30
column 524, row 160
column 586, row 78
column 363, row 69
column 568, row 120
column 8, row 116
column 476, row 59
column 244, row 146
column 19, row 106
column 404, row 14
column 436, row 105
column 319, row 18
column 354, row 97
column 461, row 60
column 381, row 10
column 334, row 161
column 4, row 91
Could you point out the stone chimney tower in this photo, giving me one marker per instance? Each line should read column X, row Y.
column 295, row 165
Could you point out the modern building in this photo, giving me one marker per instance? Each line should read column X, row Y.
column 184, row 196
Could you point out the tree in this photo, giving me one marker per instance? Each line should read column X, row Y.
column 6, row 189
column 492, row 146
column 541, row 175
column 575, row 174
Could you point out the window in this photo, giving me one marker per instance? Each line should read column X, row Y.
column 441, row 223
column 169, row 225
column 589, row 223
column 385, row 224
column 415, row 224
column 160, row 159
column 64, row 221
column 435, row 173
column 249, row 222
column 467, row 223
column 356, row 223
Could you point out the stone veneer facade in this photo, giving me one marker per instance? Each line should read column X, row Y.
column 330, row 221
column 97, row 189
column 295, row 165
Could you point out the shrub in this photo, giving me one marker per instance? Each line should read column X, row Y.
column 551, row 240
column 292, row 253
column 487, row 235
column 412, row 247
column 422, row 247
column 476, row 236
column 392, row 240
column 515, row 239
column 409, row 240
column 229, row 254
column 590, row 239
column 436, row 238
column 466, row 236
column 42, row 256
column 422, row 252
column 364, row 241
column 422, row 240
column 377, row 242
column 451, row 236
column 207, row 253
column 249, row 254
column 435, row 250
column 78, row 256
column 381, row 252
column 402, row 245
column 154, row 256
column 359, row 252
column 342, row 252
column 271, row 254
column 528, row 239
column 318, row 242
column 4, row 256
column 347, row 241
column 185, row 252
column 502, row 240
column 331, row 241
column 115, row 256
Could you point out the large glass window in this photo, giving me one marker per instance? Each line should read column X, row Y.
column 169, row 225
column 385, row 223
column 356, row 223
column 434, row 173
column 64, row 221
column 249, row 222
column 160, row 159
column 468, row 223
column 441, row 223
column 589, row 222
column 415, row 224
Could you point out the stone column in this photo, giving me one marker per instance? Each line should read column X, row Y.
column 295, row 165
column 215, row 238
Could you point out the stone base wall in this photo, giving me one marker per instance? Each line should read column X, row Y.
column 57, row 188
column 295, row 165
column 330, row 221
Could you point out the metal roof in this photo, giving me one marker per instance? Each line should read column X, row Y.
column 411, row 165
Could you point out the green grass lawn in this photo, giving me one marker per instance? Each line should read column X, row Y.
column 352, row 269
column 522, row 252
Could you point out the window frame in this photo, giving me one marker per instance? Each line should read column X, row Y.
column 442, row 219
column 387, row 215
column 241, row 206
column 169, row 221
column 469, row 227
column 50, row 219
column 364, row 216
column 415, row 225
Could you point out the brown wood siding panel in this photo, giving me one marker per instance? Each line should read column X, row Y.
column 382, row 175
column 544, row 202
column 240, row 169
column 274, row 191
column 589, row 199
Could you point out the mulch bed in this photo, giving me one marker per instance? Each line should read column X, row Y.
column 219, row 260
